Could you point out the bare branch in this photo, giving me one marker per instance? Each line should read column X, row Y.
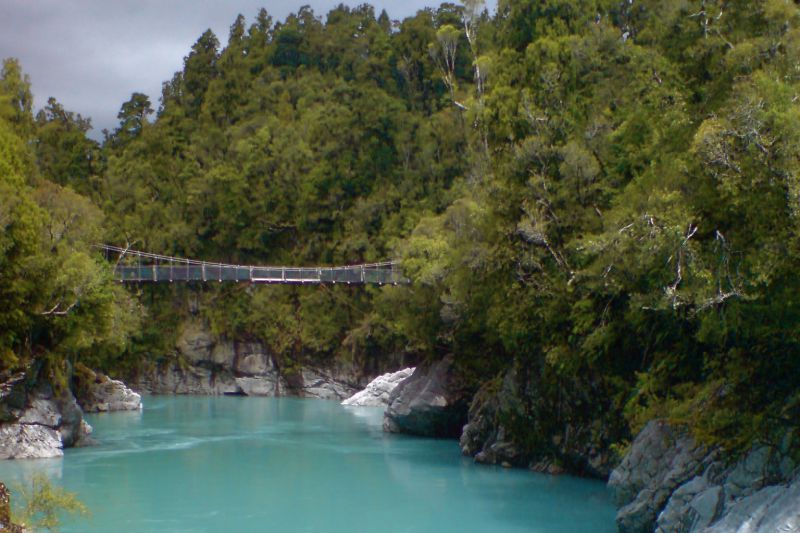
column 56, row 312
column 719, row 299
column 626, row 228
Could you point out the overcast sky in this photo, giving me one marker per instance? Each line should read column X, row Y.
column 92, row 54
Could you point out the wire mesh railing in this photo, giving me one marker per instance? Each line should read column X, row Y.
column 134, row 266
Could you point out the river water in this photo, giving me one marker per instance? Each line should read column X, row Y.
column 234, row 464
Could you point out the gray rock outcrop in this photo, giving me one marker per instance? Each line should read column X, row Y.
column 668, row 484
column 484, row 437
column 319, row 384
column 428, row 403
column 209, row 364
column 103, row 394
column 178, row 379
column 773, row 509
column 691, row 507
column 197, row 345
column 212, row 366
column 252, row 359
column 505, row 427
column 72, row 428
column 29, row 441
column 660, row 460
column 377, row 391
column 269, row 385
column 46, row 424
column 236, row 380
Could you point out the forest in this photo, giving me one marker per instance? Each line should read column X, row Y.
column 598, row 198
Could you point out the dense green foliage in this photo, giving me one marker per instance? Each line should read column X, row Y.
column 58, row 301
column 602, row 195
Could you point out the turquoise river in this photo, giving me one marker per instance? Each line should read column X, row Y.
column 233, row 464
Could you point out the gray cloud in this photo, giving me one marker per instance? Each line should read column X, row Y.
column 92, row 54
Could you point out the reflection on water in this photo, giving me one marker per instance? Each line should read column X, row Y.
column 287, row 464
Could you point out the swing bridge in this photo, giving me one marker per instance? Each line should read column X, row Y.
column 134, row 266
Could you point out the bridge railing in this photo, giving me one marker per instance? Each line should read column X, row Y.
column 136, row 266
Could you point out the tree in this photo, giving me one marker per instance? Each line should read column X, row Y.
column 132, row 119
column 443, row 53
column 64, row 153
column 200, row 67
column 16, row 100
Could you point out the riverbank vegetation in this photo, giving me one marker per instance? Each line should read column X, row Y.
column 600, row 195
column 40, row 506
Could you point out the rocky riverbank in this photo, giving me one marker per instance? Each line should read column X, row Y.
column 668, row 482
column 494, row 424
column 38, row 420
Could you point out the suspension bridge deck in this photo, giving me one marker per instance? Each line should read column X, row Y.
column 133, row 266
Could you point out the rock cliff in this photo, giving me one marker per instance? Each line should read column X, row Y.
column 207, row 364
column 503, row 428
column 429, row 403
column 485, row 436
column 669, row 483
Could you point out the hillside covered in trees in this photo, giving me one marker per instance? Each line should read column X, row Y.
column 597, row 201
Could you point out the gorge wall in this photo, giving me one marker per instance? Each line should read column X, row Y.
column 204, row 363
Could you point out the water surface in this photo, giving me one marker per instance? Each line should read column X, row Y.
column 196, row 464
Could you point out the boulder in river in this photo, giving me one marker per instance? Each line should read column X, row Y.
column 378, row 390
column 429, row 402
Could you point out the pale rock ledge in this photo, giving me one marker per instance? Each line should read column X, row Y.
column 377, row 392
